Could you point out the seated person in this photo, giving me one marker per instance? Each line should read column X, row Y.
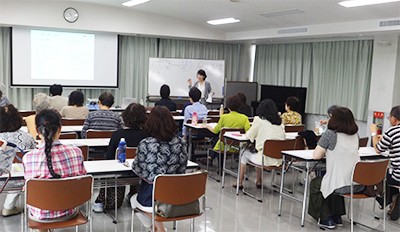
column 10, row 131
column 339, row 145
column 57, row 101
column 104, row 118
column 75, row 108
column 200, row 109
column 165, row 100
column 41, row 101
column 390, row 141
column 244, row 108
column 3, row 99
column 162, row 150
column 291, row 116
column 266, row 126
column 231, row 120
column 134, row 117
column 52, row 160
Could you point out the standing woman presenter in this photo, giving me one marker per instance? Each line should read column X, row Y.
column 202, row 85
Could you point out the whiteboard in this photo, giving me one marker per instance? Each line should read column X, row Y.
column 176, row 72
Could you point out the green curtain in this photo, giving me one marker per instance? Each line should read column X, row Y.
column 230, row 53
column 337, row 72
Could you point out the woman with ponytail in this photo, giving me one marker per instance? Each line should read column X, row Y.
column 52, row 160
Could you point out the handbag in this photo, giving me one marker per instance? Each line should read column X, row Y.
column 171, row 211
column 251, row 147
column 375, row 190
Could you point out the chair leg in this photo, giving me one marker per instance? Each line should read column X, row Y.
column 132, row 219
column 262, row 185
column 174, row 225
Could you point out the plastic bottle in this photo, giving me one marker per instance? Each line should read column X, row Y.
column 221, row 110
column 122, row 151
column 141, row 102
column 194, row 118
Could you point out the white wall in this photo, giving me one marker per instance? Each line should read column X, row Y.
column 49, row 14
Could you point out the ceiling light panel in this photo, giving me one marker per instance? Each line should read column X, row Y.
column 223, row 21
column 134, row 2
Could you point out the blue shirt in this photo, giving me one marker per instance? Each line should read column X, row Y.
column 197, row 107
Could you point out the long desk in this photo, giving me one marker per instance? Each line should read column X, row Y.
column 190, row 127
column 106, row 173
column 307, row 157
column 63, row 128
column 235, row 136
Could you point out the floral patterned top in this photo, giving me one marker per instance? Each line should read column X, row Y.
column 154, row 158
column 291, row 118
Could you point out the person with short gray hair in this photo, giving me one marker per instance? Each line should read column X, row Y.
column 41, row 101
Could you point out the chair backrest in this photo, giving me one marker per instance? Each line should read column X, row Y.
column 299, row 144
column 231, row 142
column 92, row 134
column 191, row 187
column 72, row 122
column 215, row 113
column 363, row 142
column 174, row 113
column 293, row 128
column 274, row 148
column 27, row 113
column 130, row 152
column 370, row 172
column 85, row 151
column 20, row 155
column 59, row 194
column 68, row 135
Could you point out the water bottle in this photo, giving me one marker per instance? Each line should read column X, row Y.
column 221, row 110
column 122, row 151
column 194, row 118
column 141, row 102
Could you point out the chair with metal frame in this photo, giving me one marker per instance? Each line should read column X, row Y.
column 363, row 142
column 192, row 187
column 294, row 128
column 94, row 134
column 72, row 122
column 367, row 172
column 272, row 149
column 68, row 135
column 60, row 194
column 130, row 152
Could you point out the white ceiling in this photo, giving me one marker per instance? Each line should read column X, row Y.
column 248, row 11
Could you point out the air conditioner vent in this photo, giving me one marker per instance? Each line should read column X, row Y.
column 292, row 30
column 389, row 23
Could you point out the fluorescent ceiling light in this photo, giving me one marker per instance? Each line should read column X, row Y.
column 134, row 2
column 223, row 21
column 354, row 3
column 281, row 12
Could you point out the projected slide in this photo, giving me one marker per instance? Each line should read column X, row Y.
column 70, row 58
column 61, row 55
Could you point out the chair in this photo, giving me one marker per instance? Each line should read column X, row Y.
column 130, row 152
column 18, row 157
column 368, row 172
column 59, row 194
column 72, row 122
column 363, row 142
column 68, row 135
column 272, row 149
column 8, row 173
column 192, row 186
column 294, row 128
column 85, row 151
column 27, row 113
column 94, row 134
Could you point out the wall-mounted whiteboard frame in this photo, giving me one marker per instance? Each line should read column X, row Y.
column 176, row 72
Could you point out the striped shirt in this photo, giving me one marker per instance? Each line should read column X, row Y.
column 102, row 120
column 391, row 142
column 67, row 161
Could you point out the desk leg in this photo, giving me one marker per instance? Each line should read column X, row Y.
column 241, row 150
column 223, row 166
column 282, row 184
column 115, row 203
column 306, row 187
column 190, row 142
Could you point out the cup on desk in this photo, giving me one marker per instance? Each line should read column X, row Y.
column 204, row 122
column 319, row 128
